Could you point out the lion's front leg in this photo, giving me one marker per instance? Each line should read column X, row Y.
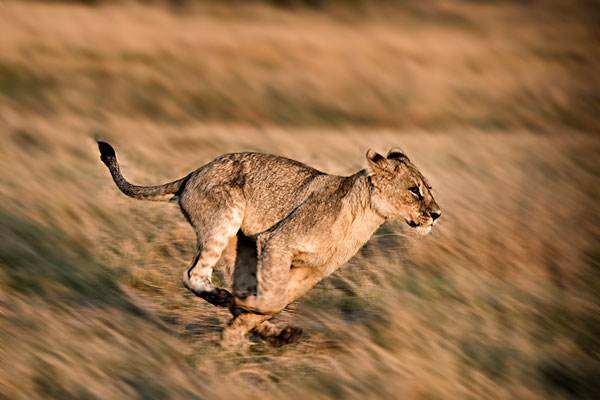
column 277, row 285
column 278, row 335
column 235, row 332
column 300, row 281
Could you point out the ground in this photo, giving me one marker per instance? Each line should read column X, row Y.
column 501, row 301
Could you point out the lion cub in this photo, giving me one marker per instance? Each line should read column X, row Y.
column 282, row 226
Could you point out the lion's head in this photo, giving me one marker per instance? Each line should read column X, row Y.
column 400, row 191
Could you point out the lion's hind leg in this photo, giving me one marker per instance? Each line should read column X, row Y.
column 215, row 228
column 201, row 283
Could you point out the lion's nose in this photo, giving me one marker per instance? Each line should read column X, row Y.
column 435, row 215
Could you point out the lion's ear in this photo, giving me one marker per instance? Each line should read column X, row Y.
column 377, row 161
column 396, row 154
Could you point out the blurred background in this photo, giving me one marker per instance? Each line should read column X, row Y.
column 497, row 102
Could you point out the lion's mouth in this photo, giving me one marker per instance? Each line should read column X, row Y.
column 421, row 229
column 412, row 224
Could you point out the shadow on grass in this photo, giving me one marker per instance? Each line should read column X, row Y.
column 65, row 308
column 42, row 262
column 25, row 87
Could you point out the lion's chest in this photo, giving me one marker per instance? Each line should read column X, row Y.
column 338, row 243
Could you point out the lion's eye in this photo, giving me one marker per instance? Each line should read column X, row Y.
column 415, row 190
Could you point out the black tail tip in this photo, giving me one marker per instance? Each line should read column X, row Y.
column 106, row 151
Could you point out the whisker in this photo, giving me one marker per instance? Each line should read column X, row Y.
column 391, row 234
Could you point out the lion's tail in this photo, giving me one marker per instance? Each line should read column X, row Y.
column 154, row 193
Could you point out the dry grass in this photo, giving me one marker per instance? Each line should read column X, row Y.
column 500, row 302
column 431, row 66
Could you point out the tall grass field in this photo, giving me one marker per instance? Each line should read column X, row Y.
column 497, row 102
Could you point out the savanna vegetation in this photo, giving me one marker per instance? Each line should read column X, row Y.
column 497, row 102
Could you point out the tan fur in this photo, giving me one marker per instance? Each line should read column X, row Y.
column 281, row 226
